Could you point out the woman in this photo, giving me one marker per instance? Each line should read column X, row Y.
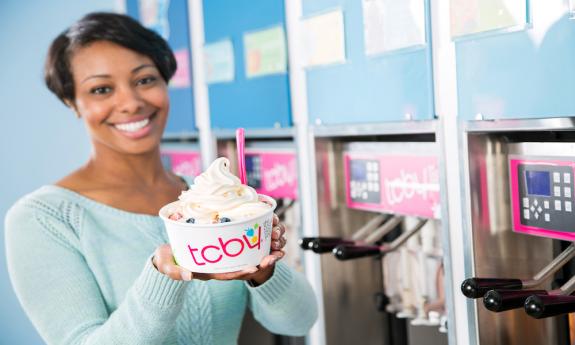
column 87, row 256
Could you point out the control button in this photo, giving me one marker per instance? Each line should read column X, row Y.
column 364, row 195
column 556, row 177
column 556, row 191
column 539, row 209
column 526, row 214
column 557, row 205
column 532, row 208
column 567, row 192
column 546, row 204
column 566, row 178
column 536, row 215
column 547, row 217
column 525, row 202
column 373, row 187
column 568, row 206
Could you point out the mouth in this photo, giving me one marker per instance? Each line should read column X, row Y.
column 136, row 129
column 132, row 127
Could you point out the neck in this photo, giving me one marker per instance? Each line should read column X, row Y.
column 115, row 168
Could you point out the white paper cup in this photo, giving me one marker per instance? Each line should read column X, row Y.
column 222, row 247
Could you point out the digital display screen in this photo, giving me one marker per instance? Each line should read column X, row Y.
column 538, row 182
column 358, row 170
column 251, row 163
column 253, row 170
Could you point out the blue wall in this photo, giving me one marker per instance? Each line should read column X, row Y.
column 367, row 89
column 40, row 139
column 251, row 103
column 524, row 74
column 181, row 118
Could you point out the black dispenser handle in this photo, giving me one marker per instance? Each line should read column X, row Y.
column 541, row 306
column 478, row 287
column 322, row 245
column 307, row 243
column 502, row 300
column 347, row 252
column 304, row 242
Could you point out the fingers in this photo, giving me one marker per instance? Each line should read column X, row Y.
column 279, row 254
column 268, row 261
column 164, row 262
column 280, row 243
column 276, row 220
column 278, row 237
column 237, row 275
column 263, row 269
column 278, row 231
column 271, row 259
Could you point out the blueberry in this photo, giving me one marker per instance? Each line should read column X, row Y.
column 190, row 220
column 225, row 220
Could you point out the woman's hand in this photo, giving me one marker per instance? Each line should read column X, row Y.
column 164, row 262
column 262, row 272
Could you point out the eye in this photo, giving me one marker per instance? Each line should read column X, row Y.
column 147, row 80
column 100, row 90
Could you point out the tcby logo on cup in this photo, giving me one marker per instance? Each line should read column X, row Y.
column 222, row 247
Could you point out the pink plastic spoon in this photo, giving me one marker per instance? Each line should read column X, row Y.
column 240, row 143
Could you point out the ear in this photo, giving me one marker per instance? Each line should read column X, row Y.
column 70, row 104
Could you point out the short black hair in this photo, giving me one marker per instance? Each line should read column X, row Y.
column 103, row 26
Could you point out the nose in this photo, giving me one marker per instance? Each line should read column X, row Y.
column 129, row 101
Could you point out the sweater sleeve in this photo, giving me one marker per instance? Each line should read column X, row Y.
column 60, row 295
column 285, row 304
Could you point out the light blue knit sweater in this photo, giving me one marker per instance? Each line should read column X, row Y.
column 82, row 272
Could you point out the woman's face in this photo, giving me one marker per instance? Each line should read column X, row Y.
column 121, row 96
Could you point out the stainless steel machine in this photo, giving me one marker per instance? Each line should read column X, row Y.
column 380, row 235
column 519, row 191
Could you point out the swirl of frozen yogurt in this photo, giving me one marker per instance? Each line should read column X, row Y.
column 217, row 193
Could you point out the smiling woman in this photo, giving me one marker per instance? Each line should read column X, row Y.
column 113, row 74
column 95, row 234
column 121, row 96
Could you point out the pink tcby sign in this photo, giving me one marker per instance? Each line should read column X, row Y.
column 272, row 173
column 182, row 162
column 399, row 184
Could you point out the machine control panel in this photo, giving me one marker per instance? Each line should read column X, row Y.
column 542, row 198
column 398, row 178
column 364, row 184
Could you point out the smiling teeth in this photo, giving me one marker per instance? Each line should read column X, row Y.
column 132, row 126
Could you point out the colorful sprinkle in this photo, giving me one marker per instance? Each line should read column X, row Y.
column 175, row 216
